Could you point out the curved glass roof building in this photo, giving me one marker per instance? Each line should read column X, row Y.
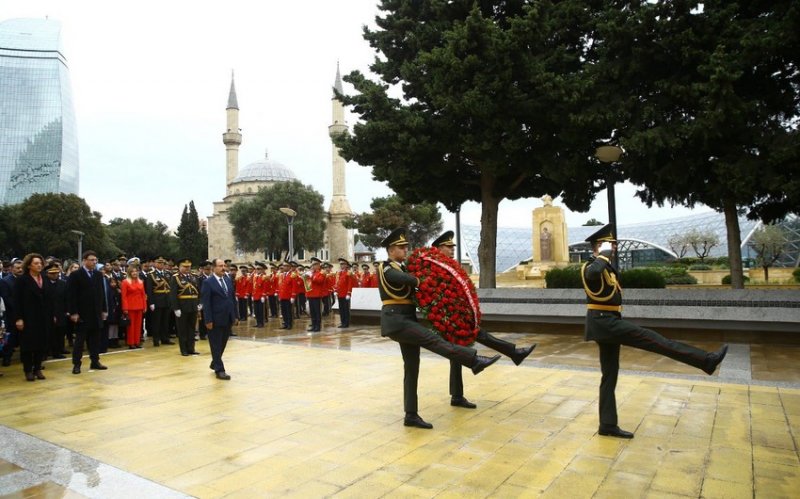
column 38, row 140
column 640, row 244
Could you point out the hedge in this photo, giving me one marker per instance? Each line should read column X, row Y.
column 561, row 278
column 727, row 279
column 681, row 279
column 700, row 266
column 796, row 274
column 642, row 278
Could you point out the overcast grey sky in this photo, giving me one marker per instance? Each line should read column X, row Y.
column 150, row 81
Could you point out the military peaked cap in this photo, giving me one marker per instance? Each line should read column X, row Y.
column 185, row 261
column 396, row 238
column 607, row 233
column 445, row 239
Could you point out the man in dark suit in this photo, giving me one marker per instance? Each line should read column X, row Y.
column 605, row 326
column 218, row 299
column 87, row 309
column 7, row 294
column 446, row 245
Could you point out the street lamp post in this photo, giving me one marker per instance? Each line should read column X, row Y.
column 80, row 243
column 610, row 155
column 290, row 214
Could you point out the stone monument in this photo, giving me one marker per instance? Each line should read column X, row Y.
column 549, row 242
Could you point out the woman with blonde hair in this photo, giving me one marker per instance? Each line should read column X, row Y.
column 134, row 303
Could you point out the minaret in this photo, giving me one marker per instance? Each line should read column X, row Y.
column 232, row 139
column 339, row 238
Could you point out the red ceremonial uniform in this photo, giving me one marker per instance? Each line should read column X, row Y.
column 243, row 286
column 272, row 283
column 319, row 286
column 345, row 282
column 287, row 285
column 259, row 286
column 370, row 280
column 330, row 279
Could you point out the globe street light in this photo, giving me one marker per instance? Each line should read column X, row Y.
column 610, row 155
column 80, row 244
column 290, row 214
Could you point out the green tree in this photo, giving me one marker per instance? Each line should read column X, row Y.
column 491, row 98
column 702, row 242
column 258, row 225
column 43, row 223
column 192, row 239
column 142, row 238
column 705, row 102
column 423, row 220
column 769, row 243
column 593, row 222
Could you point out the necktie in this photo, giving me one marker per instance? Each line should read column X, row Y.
column 222, row 283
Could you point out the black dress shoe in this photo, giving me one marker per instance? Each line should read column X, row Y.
column 223, row 375
column 185, row 354
column 97, row 366
column 417, row 422
column 76, row 369
column 234, row 334
column 714, row 359
column 167, row 342
column 462, row 402
column 39, row 374
column 194, row 353
column 614, row 431
column 29, row 377
column 482, row 363
column 59, row 356
column 521, row 353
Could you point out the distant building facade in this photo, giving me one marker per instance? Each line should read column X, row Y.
column 245, row 183
column 38, row 137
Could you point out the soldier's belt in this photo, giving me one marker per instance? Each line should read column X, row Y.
column 161, row 291
column 398, row 302
column 188, row 297
column 605, row 308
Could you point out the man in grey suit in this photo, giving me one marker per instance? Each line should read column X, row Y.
column 218, row 299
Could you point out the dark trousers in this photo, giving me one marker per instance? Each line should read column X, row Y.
column 217, row 340
column 57, row 335
column 31, row 360
column 635, row 336
column 84, row 334
column 326, row 305
column 287, row 313
column 486, row 339
column 258, row 308
column 160, row 329
column 202, row 328
column 315, row 310
column 12, row 341
column 185, row 324
column 411, row 337
column 344, row 311
column 273, row 306
column 242, row 303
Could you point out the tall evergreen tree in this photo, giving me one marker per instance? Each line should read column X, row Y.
column 423, row 220
column 192, row 240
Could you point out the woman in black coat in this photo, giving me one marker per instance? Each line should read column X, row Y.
column 34, row 316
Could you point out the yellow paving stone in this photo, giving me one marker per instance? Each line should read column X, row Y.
column 772, row 436
column 761, row 412
column 764, row 395
column 589, row 465
column 570, row 484
column 375, row 484
column 775, row 455
column 730, row 465
column 777, row 487
column 677, row 481
column 619, row 483
column 713, row 488
column 512, row 491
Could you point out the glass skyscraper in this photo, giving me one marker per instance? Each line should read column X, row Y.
column 38, row 141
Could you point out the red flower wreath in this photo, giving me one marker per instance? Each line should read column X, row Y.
column 446, row 296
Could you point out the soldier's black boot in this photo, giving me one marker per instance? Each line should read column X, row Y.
column 482, row 363
column 520, row 354
column 413, row 419
column 714, row 359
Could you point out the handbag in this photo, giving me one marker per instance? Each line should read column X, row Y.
column 125, row 320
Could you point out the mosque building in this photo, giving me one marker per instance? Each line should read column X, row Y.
column 245, row 183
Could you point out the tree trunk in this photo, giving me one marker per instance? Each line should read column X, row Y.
column 487, row 249
column 734, row 244
column 766, row 273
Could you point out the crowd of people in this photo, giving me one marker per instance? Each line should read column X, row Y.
column 51, row 309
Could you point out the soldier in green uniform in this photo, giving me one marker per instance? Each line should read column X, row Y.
column 446, row 245
column 184, row 296
column 604, row 325
column 399, row 322
column 157, row 286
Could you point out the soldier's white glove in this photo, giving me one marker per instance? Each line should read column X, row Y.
column 291, row 300
column 178, row 314
column 263, row 299
column 152, row 307
column 606, row 249
column 199, row 307
column 347, row 298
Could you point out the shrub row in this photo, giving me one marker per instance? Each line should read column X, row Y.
column 570, row 278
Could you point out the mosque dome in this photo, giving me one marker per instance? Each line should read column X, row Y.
column 265, row 170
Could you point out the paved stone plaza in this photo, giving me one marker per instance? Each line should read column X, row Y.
column 321, row 415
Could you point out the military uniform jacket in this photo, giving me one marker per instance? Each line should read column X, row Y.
column 157, row 286
column 184, row 294
column 603, row 297
column 396, row 287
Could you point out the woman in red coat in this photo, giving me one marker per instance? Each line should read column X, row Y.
column 134, row 303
